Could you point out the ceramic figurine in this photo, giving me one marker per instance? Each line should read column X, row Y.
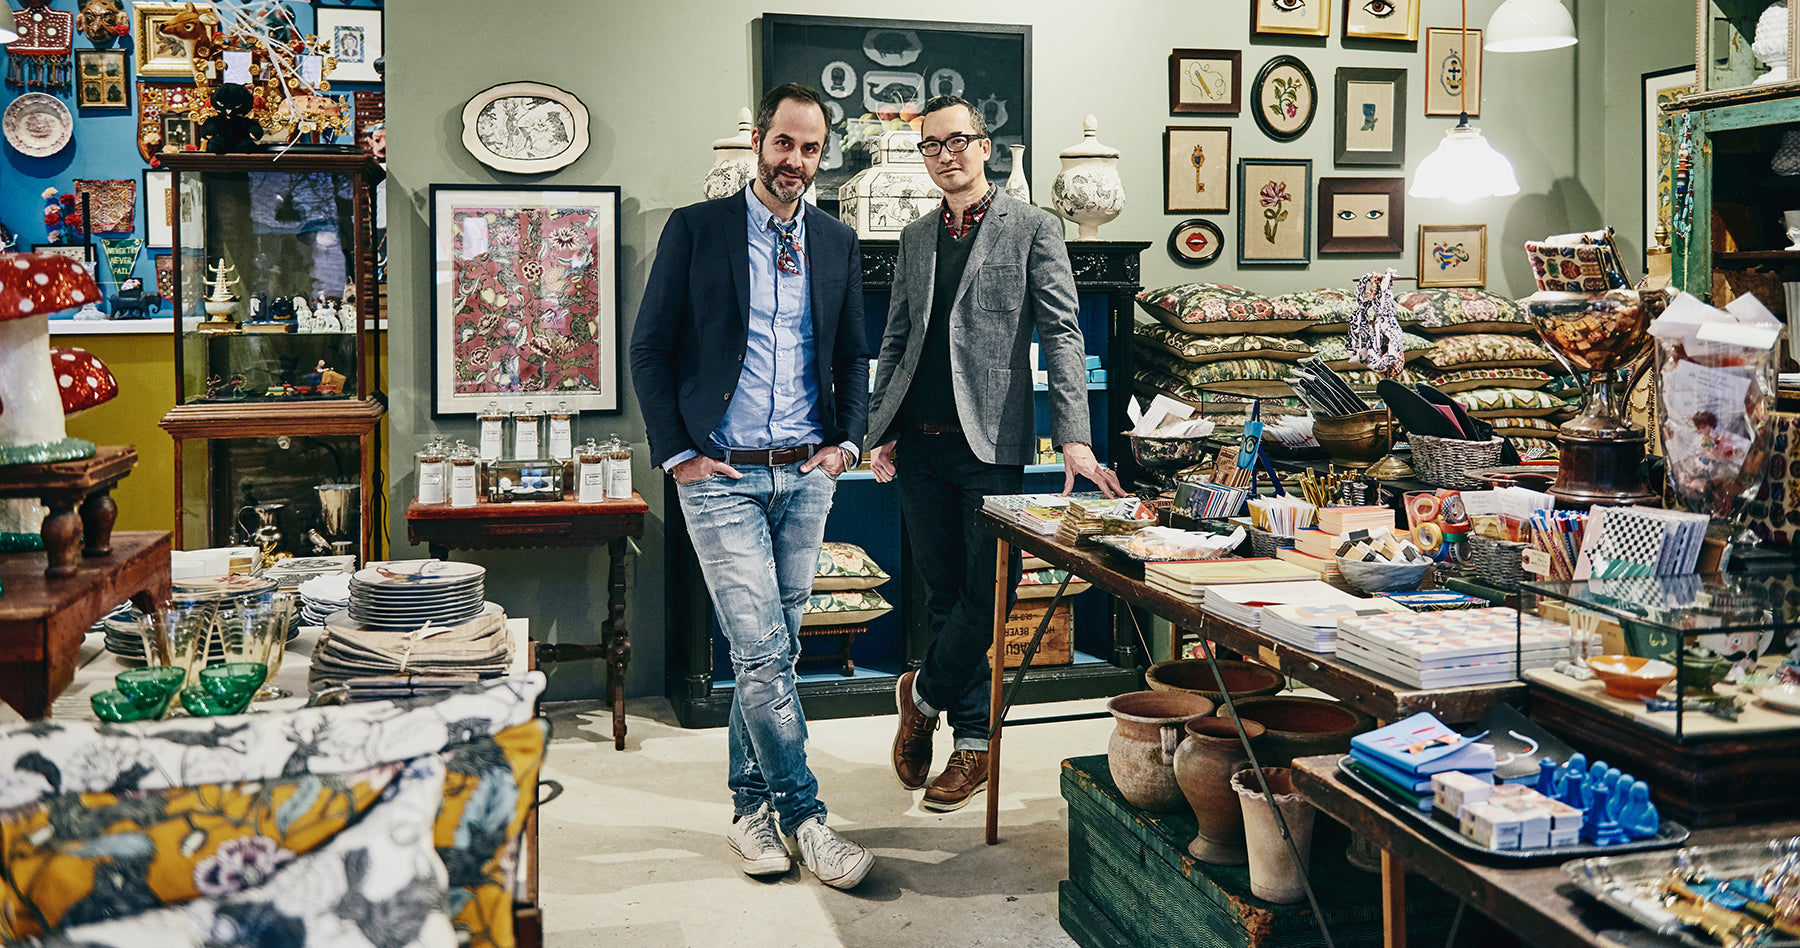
column 1770, row 43
column 1638, row 816
column 1595, row 776
column 326, row 311
column 302, row 313
column 281, row 308
column 1546, row 781
column 213, row 386
column 1573, row 793
column 1576, row 762
column 32, row 288
column 1606, row 831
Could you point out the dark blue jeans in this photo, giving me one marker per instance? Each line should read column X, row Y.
column 942, row 485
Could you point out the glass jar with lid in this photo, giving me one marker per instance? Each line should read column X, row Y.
column 431, row 461
column 493, row 432
column 462, row 475
column 528, row 433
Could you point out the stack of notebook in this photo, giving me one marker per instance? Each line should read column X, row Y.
column 1189, row 580
column 1403, row 756
column 1247, row 603
column 1451, row 649
column 1640, row 541
column 1314, row 627
column 1325, row 566
column 1324, row 544
column 1341, row 520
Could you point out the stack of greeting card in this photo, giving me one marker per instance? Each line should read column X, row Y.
column 1189, row 581
column 1450, row 649
column 1313, row 626
column 1402, row 757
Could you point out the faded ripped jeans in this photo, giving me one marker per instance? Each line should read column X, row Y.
column 758, row 544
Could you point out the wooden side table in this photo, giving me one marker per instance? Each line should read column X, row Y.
column 65, row 486
column 562, row 523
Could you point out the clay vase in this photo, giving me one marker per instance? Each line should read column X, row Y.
column 1148, row 727
column 1193, row 675
column 1204, row 764
column 1274, row 876
column 1296, row 726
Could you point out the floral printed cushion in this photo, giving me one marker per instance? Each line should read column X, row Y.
column 1189, row 347
column 1503, row 402
column 1335, row 349
column 490, row 785
column 1237, row 377
column 1042, row 583
column 846, row 566
column 1524, row 427
column 1365, row 380
column 1458, row 380
column 1459, row 310
column 846, row 607
column 1331, row 309
column 1220, row 309
column 1489, row 350
column 1536, row 449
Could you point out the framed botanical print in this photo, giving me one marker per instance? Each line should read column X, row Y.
column 1195, row 243
column 1659, row 133
column 526, row 296
column 100, row 79
column 1196, row 169
column 1298, row 19
column 1274, row 210
column 1452, row 255
column 1205, row 81
column 159, row 209
column 355, row 38
column 1382, row 19
column 1452, row 86
column 1362, row 215
column 159, row 54
column 1284, row 98
column 1369, row 127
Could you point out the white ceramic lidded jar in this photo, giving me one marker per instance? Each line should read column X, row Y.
column 734, row 162
column 1087, row 190
column 893, row 191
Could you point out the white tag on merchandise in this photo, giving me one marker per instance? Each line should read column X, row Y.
column 237, row 66
column 312, row 69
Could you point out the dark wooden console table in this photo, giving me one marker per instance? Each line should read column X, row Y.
column 64, row 487
column 561, row 523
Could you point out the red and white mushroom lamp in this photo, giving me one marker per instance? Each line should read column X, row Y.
column 34, row 286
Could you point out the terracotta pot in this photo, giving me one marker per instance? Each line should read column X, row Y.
column 1274, row 875
column 1296, row 726
column 1148, row 726
column 1203, row 767
column 1193, row 675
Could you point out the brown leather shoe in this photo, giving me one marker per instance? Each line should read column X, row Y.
column 966, row 773
column 912, row 741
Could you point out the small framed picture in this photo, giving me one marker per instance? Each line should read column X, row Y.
column 1205, row 81
column 1274, row 210
column 1382, row 19
column 1284, row 98
column 1447, row 75
column 178, row 132
column 158, row 53
column 1362, row 215
column 355, row 38
column 1196, row 169
column 1296, row 19
column 1370, row 125
column 1452, row 254
column 1195, row 243
column 80, row 253
column 159, row 208
column 100, row 79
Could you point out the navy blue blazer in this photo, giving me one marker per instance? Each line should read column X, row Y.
column 687, row 348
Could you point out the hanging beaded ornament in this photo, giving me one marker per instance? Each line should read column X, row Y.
column 1375, row 337
column 1683, row 210
column 40, row 56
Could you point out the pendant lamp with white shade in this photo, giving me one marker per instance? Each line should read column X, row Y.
column 1522, row 26
column 9, row 27
column 1464, row 167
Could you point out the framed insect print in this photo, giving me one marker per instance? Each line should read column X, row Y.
column 1294, row 17
column 1274, row 210
column 1205, row 81
column 1284, row 98
column 1382, row 19
column 1452, row 255
column 1369, row 126
column 1196, row 169
column 1195, row 243
column 1362, row 215
column 1446, row 73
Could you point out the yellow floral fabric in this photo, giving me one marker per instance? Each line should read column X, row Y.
column 489, row 790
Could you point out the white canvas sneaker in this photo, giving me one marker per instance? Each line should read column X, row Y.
column 756, row 838
column 837, row 862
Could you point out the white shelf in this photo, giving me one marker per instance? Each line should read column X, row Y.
column 112, row 327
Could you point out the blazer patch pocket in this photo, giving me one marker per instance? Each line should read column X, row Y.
column 1000, row 288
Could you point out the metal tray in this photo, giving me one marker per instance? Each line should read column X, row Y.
column 1117, row 544
column 1613, row 881
column 1671, row 833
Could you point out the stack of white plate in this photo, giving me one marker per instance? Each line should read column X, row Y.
column 321, row 596
column 403, row 595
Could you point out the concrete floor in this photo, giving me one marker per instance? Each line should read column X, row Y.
column 634, row 853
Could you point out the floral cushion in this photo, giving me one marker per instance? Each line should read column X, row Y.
column 846, row 566
column 1335, row 349
column 1331, row 309
column 1220, row 309
column 1238, row 377
column 1042, row 583
column 1189, row 347
column 847, row 607
column 1460, row 310
column 1365, row 380
column 1457, row 380
column 1524, row 427
column 1508, row 402
column 1536, row 449
column 1489, row 350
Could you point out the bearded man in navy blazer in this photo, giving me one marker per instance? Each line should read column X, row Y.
column 752, row 371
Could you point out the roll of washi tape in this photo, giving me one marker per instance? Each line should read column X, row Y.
column 1429, row 536
column 1422, row 508
column 1450, row 502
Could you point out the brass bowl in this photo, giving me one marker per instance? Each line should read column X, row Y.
column 1357, row 440
column 1166, row 454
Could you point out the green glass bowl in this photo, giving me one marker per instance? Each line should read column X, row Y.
column 231, row 681
column 202, row 705
column 152, row 686
column 115, row 706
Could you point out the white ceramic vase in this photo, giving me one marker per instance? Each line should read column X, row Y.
column 1087, row 190
column 734, row 162
column 1770, row 43
column 1790, row 221
column 1017, row 184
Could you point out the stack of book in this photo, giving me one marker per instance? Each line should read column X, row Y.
column 1008, row 505
column 1092, row 518
column 1314, row 627
column 1324, row 544
column 1622, row 542
column 1246, row 603
column 1402, row 757
column 1325, row 566
column 1341, row 520
column 1451, row 649
column 1189, row 581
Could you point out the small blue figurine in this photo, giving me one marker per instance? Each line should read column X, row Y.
column 1574, row 794
column 1576, row 762
column 1617, row 787
column 1595, row 776
column 1638, row 817
column 1606, row 830
column 1546, row 782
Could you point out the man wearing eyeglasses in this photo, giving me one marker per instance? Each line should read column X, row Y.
column 954, row 417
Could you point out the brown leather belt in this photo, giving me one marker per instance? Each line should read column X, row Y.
column 773, row 457
column 923, row 427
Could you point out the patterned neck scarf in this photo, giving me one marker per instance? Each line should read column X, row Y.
column 972, row 215
column 787, row 250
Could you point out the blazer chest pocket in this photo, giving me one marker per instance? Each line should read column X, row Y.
column 1000, row 288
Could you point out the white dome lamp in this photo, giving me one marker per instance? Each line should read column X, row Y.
column 1523, row 26
column 1464, row 167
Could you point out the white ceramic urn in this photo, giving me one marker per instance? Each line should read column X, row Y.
column 734, row 162
column 1770, row 44
column 1087, row 190
column 893, row 191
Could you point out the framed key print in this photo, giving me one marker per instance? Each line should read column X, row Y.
column 1293, row 17
column 1274, row 210
column 1369, row 126
column 1362, row 215
column 1284, row 98
column 1205, row 81
column 1446, row 73
column 1196, row 169
column 1452, row 255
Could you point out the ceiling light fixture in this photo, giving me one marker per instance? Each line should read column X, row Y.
column 1523, row 26
column 1464, row 167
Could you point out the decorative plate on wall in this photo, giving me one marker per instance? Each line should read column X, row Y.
column 38, row 125
column 525, row 127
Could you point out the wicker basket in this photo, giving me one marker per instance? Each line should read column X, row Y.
column 1446, row 462
column 1264, row 543
column 1496, row 562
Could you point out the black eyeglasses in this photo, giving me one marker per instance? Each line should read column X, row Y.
column 956, row 143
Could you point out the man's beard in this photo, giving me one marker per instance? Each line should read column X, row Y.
column 767, row 175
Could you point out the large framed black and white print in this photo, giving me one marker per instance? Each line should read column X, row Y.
column 876, row 75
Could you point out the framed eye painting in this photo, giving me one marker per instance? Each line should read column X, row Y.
column 1369, row 127
column 1294, row 17
column 1274, row 210
column 1382, row 19
column 1205, row 81
column 1196, row 169
column 1362, row 215
column 1284, row 98
column 1452, row 255
column 1446, row 74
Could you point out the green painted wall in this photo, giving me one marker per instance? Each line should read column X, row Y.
column 663, row 80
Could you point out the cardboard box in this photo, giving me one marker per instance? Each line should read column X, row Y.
column 1055, row 648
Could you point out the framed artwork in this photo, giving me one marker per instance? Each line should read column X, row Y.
column 1659, row 134
column 872, row 71
column 112, row 204
column 1274, row 210
column 1362, row 215
column 159, row 54
column 1206, row 81
column 80, row 253
column 1298, row 19
column 1382, row 19
column 355, row 38
column 100, row 79
column 526, row 296
column 1452, row 255
column 159, row 208
column 1195, row 243
column 1196, row 169
column 165, row 276
column 178, row 133
column 1370, row 125
column 525, row 127
column 1284, row 98
column 1446, row 74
